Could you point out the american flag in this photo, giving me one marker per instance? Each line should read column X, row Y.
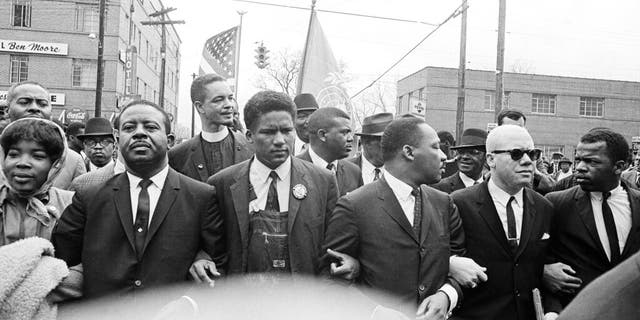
column 219, row 54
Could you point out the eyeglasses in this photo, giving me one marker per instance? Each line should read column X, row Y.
column 470, row 151
column 517, row 154
column 93, row 142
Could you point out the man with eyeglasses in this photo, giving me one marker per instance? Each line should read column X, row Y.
column 506, row 226
column 98, row 141
column 470, row 154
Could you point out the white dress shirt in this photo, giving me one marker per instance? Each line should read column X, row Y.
column 500, row 199
column 215, row 136
column 621, row 210
column 93, row 167
column 407, row 201
column 260, row 180
column 563, row 175
column 154, row 190
column 468, row 181
column 299, row 146
column 318, row 161
column 369, row 170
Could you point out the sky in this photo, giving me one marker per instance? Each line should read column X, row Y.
column 579, row 38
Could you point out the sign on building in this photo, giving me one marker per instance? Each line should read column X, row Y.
column 491, row 126
column 131, row 58
column 75, row 115
column 417, row 105
column 60, row 49
column 56, row 99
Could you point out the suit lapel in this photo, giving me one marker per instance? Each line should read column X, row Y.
column 631, row 246
column 428, row 214
column 240, row 150
column 122, row 201
column 487, row 210
column 168, row 196
column 583, row 207
column 297, row 177
column 392, row 207
column 340, row 176
column 528, row 220
column 197, row 159
column 240, row 196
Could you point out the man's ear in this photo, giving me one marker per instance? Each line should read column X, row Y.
column 249, row 136
column 491, row 161
column 407, row 152
column 116, row 134
column 619, row 167
column 198, row 106
column 322, row 134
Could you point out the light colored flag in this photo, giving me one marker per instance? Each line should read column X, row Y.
column 321, row 75
column 219, row 54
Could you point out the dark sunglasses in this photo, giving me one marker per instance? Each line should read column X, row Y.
column 517, row 154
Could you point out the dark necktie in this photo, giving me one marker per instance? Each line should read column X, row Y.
column 142, row 217
column 610, row 225
column 376, row 174
column 272, row 197
column 330, row 166
column 476, row 183
column 417, row 211
column 512, row 237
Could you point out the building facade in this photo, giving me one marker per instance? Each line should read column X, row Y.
column 558, row 109
column 55, row 42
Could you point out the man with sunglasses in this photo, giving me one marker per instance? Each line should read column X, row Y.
column 99, row 142
column 470, row 154
column 506, row 226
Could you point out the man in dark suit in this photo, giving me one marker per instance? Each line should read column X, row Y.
column 471, row 157
column 401, row 231
column 275, row 206
column 330, row 141
column 370, row 161
column 506, row 227
column 123, row 249
column 596, row 225
column 98, row 141
column 216, row 147
column 306, row 105
column 614, row 295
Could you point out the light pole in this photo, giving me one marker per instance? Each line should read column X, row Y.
column 100, row 68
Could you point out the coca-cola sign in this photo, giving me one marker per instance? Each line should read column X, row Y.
column 75, row 115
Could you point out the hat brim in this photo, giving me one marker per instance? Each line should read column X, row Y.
column 375, row 134
column 306, row 109
column 97, row 134
column 468, row 146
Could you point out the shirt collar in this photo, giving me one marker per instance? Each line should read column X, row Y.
column 158, row 179
column 316, row 159
column 401, row 189
column 368, row 166
column 597, row 195
column 468, row 180
column 119, row 167
column 262, row 171
column 93, row 167
column 215, row 136
column 502, row 196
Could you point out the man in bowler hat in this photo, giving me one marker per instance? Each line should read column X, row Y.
column 371, row 161
column 98, row 141
column 306, row 105
column 470, row 160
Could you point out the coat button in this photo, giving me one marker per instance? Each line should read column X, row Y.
column 421, row 287
column 423, row 250
column 137, row 283
column 201, row 166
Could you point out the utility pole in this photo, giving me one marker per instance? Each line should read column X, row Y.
column 193, row 113
column 461, row 73
column 100, row 67
column 163, row 47
column 500, row 60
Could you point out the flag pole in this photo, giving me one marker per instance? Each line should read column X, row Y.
column 306, row 47
column 238, row 43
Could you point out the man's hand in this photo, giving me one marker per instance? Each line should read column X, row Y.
column 347, row 267
column 559, row 277
column 466, row 271
column 434, row 307
column 201, row 269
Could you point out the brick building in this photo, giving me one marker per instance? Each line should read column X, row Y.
column 54, row 42
column 558, row 109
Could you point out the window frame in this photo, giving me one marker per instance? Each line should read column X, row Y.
column 539, row 103
column 599, row 103
column 26, row 10
column 23, row 62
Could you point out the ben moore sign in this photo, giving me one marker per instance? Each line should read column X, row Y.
column 60, row 49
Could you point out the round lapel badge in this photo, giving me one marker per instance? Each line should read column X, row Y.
column 299, row 191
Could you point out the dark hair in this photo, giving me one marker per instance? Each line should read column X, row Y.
column 74, row 128
column 511, row 114
column 198, row 86
column 400, row 132
column 617, row 146
column 44, row 133
column 323, row 118
column 264, row 102
column 12, row 89
column 165, row 116
column 446, row 136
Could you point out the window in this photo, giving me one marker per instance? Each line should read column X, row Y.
column 146, row 54
column 19, row 68
column 139, row 40
column 489, row 97
column 22, row 13
column 84, row 73
column 409, row 98
column 543, row 103
column 591, row 107
column 87, row 18
column 400, row 104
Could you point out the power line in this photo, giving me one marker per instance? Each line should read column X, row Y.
column 339, row 12
column 454, row 14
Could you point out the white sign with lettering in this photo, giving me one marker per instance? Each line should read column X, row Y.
column 34, row 47
column 56, row 99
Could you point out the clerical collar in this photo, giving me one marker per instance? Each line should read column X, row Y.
column 215, row 136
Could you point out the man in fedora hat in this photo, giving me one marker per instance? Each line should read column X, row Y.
column 471, row 157
column 564, row 169
column 371, row 160
column 306, row 105
column 98, row 141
